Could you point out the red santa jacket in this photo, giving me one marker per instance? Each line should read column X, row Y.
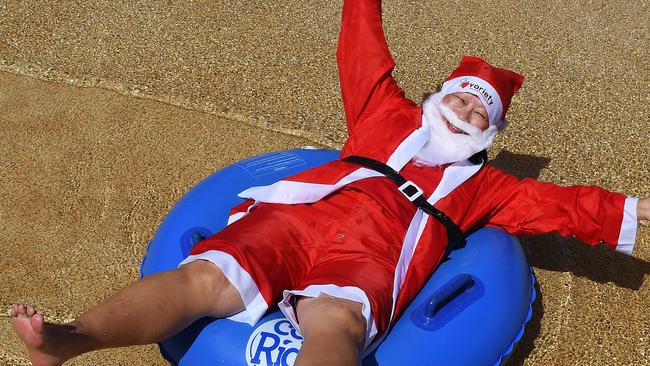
column 384, row 125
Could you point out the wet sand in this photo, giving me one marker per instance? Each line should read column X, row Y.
column 111, row 111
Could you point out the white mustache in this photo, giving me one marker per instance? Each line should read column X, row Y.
column 453, row 118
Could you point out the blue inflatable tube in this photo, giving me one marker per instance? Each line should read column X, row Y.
column 472, row 311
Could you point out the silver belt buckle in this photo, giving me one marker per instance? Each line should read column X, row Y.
column 414, row 196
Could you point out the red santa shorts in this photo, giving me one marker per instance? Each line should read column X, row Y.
column 345, row 245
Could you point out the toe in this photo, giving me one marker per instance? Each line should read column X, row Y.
column 31, row 311
column 14, row 310
column 37, row 323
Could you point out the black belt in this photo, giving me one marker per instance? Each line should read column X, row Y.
column 414, row 194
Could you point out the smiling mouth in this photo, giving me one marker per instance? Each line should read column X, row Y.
column 454, row 129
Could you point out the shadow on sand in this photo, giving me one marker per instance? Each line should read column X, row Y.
column 520, row 165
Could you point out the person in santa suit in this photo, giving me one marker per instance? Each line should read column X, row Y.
column 346, row 246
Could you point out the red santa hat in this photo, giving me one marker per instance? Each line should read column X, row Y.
column 494, row 86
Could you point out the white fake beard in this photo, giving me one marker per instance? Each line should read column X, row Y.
column 445, row 146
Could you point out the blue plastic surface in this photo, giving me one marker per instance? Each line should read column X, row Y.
column 483, row 293
column 480, row 326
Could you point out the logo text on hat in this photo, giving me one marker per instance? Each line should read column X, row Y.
column 479, row 88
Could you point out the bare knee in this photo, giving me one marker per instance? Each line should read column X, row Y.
column 221, row 298
column 330, row 315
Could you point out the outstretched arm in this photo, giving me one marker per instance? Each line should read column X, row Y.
column 364, row 62
column 591, row 214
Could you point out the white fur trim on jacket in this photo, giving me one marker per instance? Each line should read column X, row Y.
column 627, row 236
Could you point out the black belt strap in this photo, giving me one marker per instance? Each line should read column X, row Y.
column 414, row 194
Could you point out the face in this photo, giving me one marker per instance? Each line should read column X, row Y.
column 467, row 107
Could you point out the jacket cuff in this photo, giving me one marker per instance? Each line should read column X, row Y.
column 627, row 235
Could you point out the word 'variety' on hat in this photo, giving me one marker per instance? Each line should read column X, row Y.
column 492, row 85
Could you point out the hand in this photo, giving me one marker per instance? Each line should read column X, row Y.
column 643, row 209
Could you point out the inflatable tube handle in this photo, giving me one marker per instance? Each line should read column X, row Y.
column 191, row 237
column 447, row 302
column 449, row 292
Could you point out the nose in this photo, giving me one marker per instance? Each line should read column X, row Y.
column 463, row 112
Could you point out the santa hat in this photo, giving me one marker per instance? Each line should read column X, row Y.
column 494, row 86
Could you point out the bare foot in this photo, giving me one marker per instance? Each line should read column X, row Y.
column 30, row 326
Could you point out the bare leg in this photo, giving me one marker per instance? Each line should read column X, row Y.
column 334, row 331
column 146, row 311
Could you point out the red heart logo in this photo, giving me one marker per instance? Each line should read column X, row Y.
column 464, row 84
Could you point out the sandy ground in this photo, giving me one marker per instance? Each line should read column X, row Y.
column 110, row 111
